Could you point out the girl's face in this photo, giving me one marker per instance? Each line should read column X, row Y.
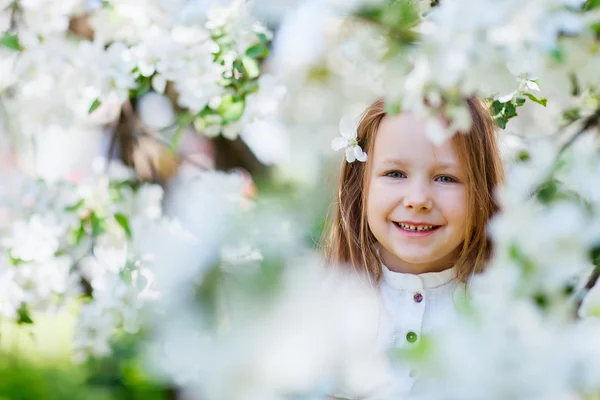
column 416, row 199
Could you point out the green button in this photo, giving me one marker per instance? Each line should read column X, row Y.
column 411, row 337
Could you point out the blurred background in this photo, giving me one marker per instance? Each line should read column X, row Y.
column 166, row 173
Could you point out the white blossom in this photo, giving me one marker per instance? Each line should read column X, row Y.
column 349, row 142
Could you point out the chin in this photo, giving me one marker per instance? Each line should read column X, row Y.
column 416, row 257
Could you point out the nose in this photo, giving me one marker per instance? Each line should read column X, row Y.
column 418, row 197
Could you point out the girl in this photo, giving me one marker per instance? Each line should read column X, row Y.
column 412, row 218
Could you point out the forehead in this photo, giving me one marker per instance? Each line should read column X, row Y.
column 403, row 137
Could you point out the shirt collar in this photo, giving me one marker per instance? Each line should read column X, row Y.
column 412, row 282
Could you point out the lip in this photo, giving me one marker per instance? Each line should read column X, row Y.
column 415, row 234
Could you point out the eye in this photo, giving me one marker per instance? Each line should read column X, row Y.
column 446, row 179
column 395, row 174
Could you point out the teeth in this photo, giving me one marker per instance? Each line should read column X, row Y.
column 416, row 228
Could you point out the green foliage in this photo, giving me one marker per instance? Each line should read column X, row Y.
column 572, row 114
column 517, row 255
column 75, row 207
column 120, row 376
column 503, row 112
column 595, row 255
column 24, row 315
column 95, row 104
column 397, row 18
column 231, row 108
column 538, row 100
column 143, row 85
column 591, row 5
column 11, row 41
column 523, row 156
column 13, row 260
column 79, row 234
column 123, row 221
column 240, row 80
column 97, row 223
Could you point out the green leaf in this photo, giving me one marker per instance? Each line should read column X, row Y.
column 520, row 101
column 79, row 234
column 251, row 68
column 541, row 300
column 249, row 87
column 10, row 41
column 144, row 84
column 231, row 109
column 572, row 115
column 510, row 110
column 23, row 314
column 98, row 224
column 591, row 5
column 259, row 50
column 523, row 156
column 502, row 121
column 543, row 101
column 14, row 260
column 124, row 222
column 263, row 38
column 558, row 55
column 548, row 191
column 94, row 106
column 595, row 255
column 497, row 107
column 238, row 66
column 520, row 258
column 75, row 206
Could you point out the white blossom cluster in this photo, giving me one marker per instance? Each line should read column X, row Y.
column 237, row 313
column 492, row 48
column 70, row 79
column 62, row 242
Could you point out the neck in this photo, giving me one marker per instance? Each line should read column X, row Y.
column 396, row 264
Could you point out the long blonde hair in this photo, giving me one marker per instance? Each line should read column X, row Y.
column 349, row 240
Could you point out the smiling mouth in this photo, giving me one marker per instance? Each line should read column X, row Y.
column 416, row 228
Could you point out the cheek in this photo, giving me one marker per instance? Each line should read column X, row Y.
column 376, row 208
column 378, row 201
column 454, row 207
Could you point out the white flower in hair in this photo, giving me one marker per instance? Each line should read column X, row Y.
column 349, row 141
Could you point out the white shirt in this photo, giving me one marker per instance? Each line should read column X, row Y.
column 413, row 305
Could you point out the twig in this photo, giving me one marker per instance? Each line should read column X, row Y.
column 14, row 6
column 588, row 123
column 140, row 126
column 591, row 282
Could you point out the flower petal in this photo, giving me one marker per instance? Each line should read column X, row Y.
column 339, row 143
column 347, row 128
column 531, row 85
column 360, row 154
column 350, row 154
column 159, row 83
column 506, row 98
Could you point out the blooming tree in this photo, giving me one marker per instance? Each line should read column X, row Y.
column 225, row 281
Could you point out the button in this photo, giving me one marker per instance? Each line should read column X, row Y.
column 411, row 337
column 418, row 297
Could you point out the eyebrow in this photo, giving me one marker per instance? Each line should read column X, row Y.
column 402, row 163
